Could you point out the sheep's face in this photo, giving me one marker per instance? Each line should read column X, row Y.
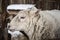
column 20, row 22
column 24, row 20
column 18, row 25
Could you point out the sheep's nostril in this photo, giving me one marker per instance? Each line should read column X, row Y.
column 12, row 30
column 8, row 26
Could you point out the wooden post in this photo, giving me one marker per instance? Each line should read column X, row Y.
column 4, row 14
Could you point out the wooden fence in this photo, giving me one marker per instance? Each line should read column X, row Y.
column 21, row 1
column 41, row 4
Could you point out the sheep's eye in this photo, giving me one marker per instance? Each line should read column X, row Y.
column 22, row 17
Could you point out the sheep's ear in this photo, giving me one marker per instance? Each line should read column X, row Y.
column 34, row 11
column 30, row 10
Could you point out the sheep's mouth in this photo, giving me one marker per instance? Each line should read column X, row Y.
column 25, row 34
column 22, row 32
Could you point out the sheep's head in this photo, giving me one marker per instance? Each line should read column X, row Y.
column 24, row 21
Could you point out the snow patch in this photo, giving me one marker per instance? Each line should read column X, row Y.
column 20, row 6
